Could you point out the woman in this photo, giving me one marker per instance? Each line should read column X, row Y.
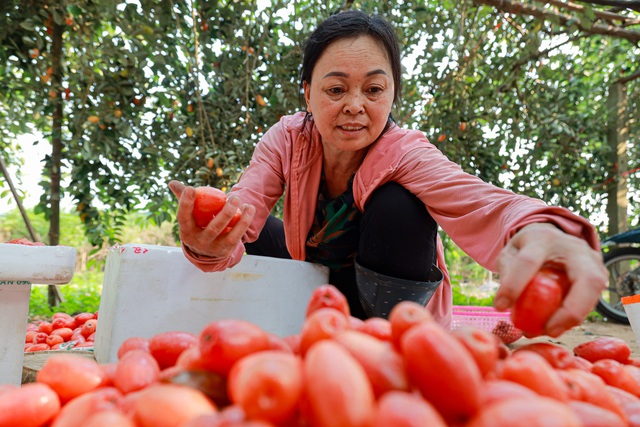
column 365, row 197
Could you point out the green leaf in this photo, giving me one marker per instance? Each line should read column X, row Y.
column 74, row 10
column 28, row 25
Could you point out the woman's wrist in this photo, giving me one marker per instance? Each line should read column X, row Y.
column 198, row 256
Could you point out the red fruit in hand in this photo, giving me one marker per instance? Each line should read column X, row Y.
column 208, row 203
column 540, row 299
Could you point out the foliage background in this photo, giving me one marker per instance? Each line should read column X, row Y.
column 152, row 90
column 82, row 293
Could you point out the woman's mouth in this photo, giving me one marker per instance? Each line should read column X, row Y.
column 351, row 128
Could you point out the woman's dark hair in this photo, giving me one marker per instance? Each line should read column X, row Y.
column 351, row 24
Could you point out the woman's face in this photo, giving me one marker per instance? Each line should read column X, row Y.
column 351, row 93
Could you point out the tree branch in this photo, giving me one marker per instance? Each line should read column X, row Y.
column 624, row 4
column 519, row 8
column 540, row 53
column 628, row 78
column 608, row 16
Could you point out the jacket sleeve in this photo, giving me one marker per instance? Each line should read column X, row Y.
column 261, row 185
column 480, row 217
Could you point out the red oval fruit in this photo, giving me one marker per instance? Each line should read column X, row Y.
column 588, row 387
column 166, row 347
column 496, row 390
column 322, row 324
column 533, row 371
column 267, row 385
column 615, row 374
column 71, row 375
column 133, row 343
column 337, row 388
column 223, row 342
column 593, row 415
column 403, row 316
column 208, row 203
column 136, row 370
column 381, row 362
column 63, row 322
column 604, row 348
column 64, row 333
column 89, row 327
column 531, row 412
column 439, row 366
column 166, row 405
column 81, row 318
column 31, row 405
column 45, row 327
column 483, row 346
column 109, row 418
column 37, row 347
column 540, row 299
column 377, row 327
column 76, row 412
column 398, row 408
column 558, row 356
column 53, row 340
column 327, row 296
column 40, row 337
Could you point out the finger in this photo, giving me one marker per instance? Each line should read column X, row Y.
column 588, row 279
column 221, row 220
column 185, row 208
column 517, row 265
column 247, row 214
column 176, row 188
column 218, row 234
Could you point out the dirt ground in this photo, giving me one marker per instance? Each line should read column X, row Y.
column 588, row 331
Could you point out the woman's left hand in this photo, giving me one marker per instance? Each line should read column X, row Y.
column 537, row 244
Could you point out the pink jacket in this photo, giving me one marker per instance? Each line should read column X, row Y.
column 479, row 217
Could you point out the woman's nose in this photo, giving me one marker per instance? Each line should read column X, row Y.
column 354, row 104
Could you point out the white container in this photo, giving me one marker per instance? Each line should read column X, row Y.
column 20, row 267
column 152, row 289
column 631, row 306
column 43, row 265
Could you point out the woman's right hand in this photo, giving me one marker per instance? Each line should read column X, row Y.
column 210, row 241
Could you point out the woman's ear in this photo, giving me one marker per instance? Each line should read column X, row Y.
column 307, row 96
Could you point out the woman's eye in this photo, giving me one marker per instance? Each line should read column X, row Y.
column 375, row 90
column 335, row 91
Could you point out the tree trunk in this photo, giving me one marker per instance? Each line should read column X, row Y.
column 617, row 134
column 56, row 146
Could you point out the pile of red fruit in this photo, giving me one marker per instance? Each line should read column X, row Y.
column 63, row 332
column 24, row 241
column 338, row 371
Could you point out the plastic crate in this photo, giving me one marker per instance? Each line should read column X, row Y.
column 486, row 318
